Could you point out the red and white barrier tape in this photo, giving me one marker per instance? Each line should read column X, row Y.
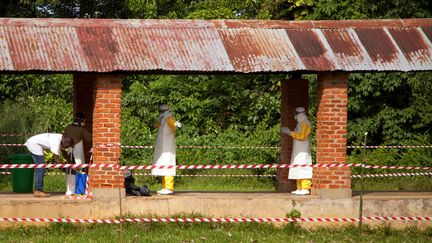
column 212, row 220
column 12, row 145
column 187, row 146
column 244, row 175
column 202, row 147
column 395, row 167
column 393, row 175
column 78, row 197
column 391, row 147
column 13, row 135
column 210, row 175
column 151, row 147
column 234, row 147
column 269, row 166
column 198, row 167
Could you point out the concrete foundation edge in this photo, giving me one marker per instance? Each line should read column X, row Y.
column 219, row 205
column 103, row 193
column 333, row 193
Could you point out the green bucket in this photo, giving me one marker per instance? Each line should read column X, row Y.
column 22, row 179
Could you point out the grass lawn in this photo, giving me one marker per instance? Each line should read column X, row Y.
column 207, row 232
column 56, row 183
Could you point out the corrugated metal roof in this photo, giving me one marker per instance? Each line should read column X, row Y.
column 243, row 46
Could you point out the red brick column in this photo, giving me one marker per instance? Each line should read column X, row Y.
column 331, row 136
column 106, row 130
column 294, row 94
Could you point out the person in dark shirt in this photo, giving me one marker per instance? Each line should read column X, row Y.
column 79, row 135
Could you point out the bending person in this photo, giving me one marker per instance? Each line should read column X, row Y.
column 36, row 145
column 301, row 153
column 165, row 149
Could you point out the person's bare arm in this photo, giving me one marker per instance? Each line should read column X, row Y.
column 65, row 155
column 57, row 159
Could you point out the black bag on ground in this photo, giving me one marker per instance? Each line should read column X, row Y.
column 134, row 190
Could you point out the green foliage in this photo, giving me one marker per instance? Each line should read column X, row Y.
column 209, row 104
column 399, row 113
column 32, row 116
column 33, row 104
column 338, row 9
column 30, row 86
column 365, row 9
column 209, row 9
column 294, row 213
column 142, row 9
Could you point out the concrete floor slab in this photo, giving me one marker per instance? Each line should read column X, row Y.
column 219, row 204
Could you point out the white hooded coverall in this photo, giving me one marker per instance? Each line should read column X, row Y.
column 301, row 154
column 165, row 150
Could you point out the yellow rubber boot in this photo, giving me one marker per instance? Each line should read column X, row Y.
column 167, row 186
column 305, row 184
column 168, row 182
column 298, row 182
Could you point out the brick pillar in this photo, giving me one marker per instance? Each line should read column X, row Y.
column 294, row 94
column 83, row 85
column 104, row 182
column 331, row 136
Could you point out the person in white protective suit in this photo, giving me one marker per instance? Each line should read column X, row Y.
column 301, row 154
column 79, row 134
column 165, row 149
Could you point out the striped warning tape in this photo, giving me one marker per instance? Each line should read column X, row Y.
column 151, row 147
column 210, row 175
column 234, row 147
column 393, row 175
column 212, row 220
column 199, row 167
column 202, row 147
column 180, row 175
column 256, row 147
column 13, row 135
column 395, row 167
column 188, row 146
column 244, row 175
column 78, row 197
column 12, row 145
column 391, row 146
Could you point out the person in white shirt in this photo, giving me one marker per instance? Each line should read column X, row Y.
column 36, row 145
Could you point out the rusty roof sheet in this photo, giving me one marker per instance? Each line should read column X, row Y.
column 242, row 46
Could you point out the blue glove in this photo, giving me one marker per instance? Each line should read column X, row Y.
column 285, row 130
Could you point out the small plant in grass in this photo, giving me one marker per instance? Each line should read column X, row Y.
column 294, row 213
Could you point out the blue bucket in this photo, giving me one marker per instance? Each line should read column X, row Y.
column 81, row 181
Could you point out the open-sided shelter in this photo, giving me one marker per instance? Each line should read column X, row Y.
column 99, row 51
